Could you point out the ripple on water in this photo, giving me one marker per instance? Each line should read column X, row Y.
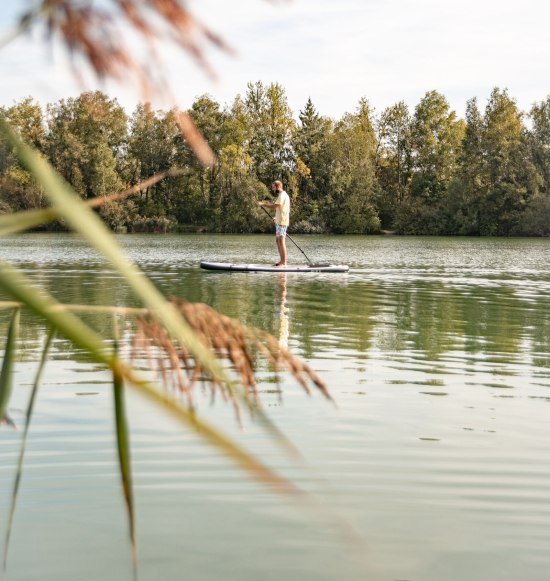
column 436, row 352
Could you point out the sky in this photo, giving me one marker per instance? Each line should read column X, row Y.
column 334, row 51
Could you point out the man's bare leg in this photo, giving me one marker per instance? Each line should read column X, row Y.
column 279, row 250
column 278, row 241
column 281, row 246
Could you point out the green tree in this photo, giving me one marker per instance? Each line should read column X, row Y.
column 18, row 190
column 27, row 118
column 436, row 137
column 393, row 160
column 238, row 192
column 311, row 145
column 151, row 143
column 212, row 121
column 511, row 176
column 539, row 139
column 86, row 142
column 468, row 189
column 239, row 125
column 152, row 148
column 270, row 144
column 536, row 220
column 353, row 186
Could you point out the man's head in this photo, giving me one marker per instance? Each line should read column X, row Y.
column 277, row 186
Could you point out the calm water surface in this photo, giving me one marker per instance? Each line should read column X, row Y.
column 437, row 352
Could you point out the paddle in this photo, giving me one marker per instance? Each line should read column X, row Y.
column 289, row 237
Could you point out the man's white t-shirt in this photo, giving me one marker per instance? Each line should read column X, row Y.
column 282, row 213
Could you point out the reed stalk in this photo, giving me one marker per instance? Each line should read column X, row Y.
column 192, row 339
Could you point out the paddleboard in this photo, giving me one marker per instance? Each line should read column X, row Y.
column 233, row 267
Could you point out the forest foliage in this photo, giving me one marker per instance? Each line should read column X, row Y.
column 425, row 171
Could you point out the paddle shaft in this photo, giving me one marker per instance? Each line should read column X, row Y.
column 289, row 237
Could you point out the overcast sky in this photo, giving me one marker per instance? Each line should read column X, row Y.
column 334, row 51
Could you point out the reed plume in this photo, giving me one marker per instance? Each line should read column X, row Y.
column 97, row 34
column 233, row 344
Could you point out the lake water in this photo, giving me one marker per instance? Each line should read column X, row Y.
column 437, row 352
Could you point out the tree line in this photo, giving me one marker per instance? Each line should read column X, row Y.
column 425, row 171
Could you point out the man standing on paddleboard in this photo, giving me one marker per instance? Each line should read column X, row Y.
column 282, row 218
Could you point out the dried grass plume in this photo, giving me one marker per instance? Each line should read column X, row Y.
column 97, row 32
column 238, row 347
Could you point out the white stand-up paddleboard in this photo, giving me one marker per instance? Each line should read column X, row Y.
column 233, row 267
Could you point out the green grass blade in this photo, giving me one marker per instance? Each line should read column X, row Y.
column 86, row 223
column 6, row 374
column 123, row 449
column 21, row 221
column 19, row 473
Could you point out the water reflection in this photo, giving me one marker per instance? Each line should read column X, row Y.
column 348, row 318
column 283, row 311
column 438, row 354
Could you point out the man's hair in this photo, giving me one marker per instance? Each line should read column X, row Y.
column 279, row 184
